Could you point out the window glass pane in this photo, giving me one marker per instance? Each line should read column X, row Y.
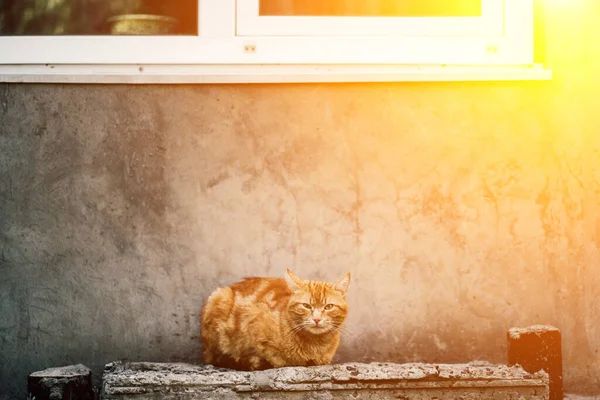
column 372, row 8
column 98, row 17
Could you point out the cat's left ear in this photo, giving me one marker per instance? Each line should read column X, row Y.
column 293, row 281
column 342, row 285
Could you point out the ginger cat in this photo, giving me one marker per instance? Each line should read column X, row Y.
column 262, row 323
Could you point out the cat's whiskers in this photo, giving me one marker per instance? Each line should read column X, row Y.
column 299, row 327
column 343, row 332
column 306, row 324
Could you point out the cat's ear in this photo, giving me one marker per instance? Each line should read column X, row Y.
column 293, row 281
column 342, row 285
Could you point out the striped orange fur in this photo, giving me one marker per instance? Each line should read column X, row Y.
column 262, row 323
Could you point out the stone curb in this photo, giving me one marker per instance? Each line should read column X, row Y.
column 360, row 381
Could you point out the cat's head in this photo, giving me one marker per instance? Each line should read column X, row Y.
column 317, row 307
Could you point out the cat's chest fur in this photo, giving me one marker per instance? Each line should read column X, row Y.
column 299, row 350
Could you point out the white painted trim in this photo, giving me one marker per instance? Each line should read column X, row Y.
column 195, row 74
column 490, row 24
column 262, row 50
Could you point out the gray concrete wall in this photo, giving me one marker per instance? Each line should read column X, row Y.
column 461, row 209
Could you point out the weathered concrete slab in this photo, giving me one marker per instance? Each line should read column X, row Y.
column 73, row 382
column 479, row 381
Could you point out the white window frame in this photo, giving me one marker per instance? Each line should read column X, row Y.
column 233, row 45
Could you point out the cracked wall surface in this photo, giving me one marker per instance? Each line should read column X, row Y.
column 461, row 210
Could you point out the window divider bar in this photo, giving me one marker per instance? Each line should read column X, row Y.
column 216, row 18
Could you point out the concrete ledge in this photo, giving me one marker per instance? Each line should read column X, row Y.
column 479, row 381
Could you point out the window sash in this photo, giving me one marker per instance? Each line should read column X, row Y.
column 217, row 43
column 489, row 24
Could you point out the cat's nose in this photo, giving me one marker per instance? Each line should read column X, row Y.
column 317, row 320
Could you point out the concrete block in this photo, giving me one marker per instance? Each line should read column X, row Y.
column 73, row 382
column 537, row 348
column 476, row 381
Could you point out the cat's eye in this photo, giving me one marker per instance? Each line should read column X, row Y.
column 307, row 306
column 328, row 307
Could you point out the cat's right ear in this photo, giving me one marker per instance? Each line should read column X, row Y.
column 293, row 281
column 342, row 285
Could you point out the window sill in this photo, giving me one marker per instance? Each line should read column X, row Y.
column 215, row 74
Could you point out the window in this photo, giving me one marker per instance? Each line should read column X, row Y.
column 424, row 18
column 377, row 8
column 266, row 40
column 98, row 17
